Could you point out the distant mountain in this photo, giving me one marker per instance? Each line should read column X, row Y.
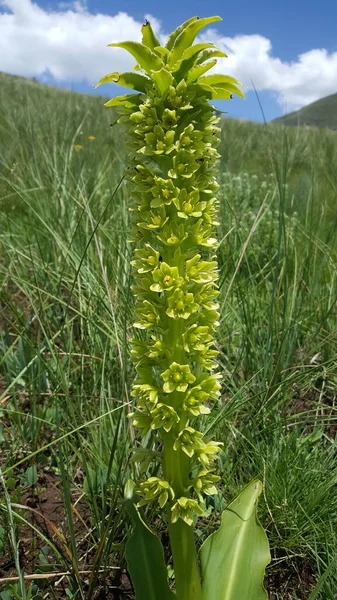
column 322, row 113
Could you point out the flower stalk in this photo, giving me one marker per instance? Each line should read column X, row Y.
column 173, row 134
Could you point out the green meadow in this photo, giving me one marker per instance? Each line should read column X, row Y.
column 65, row 325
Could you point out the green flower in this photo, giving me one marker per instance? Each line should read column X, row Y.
column 184, row 165
column 188, row 204
column 189, row 137
column 164, row 416
column 138, row 349
column 178, row 97
column 142, row 420
column 170, row 118
column 185, row 509
column 206, row 358
column 156, row 489
column 189, row 441
column 208, row 452
column 163, row 192
column 145, row 260
column 146, row 117
column 157, row 349
column 153, row 220
column 193, row 402
column 177, row 377
column 146, row 394
column 181, row 305
column 165, row 278
column 201, row 271
column 197, row 337
column 158, row 141
column 211, row 385
column 148, row 316
column 204, row 483
column 172, row 236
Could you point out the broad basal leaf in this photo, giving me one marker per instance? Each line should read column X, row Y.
column 187, row 37
column 130, row 80
column 148, row 60
column 233, row 559
column 145, row 556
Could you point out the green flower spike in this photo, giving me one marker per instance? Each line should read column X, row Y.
column 173, row 135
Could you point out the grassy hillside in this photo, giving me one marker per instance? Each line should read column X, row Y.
column 65, row 321
column 322, row 113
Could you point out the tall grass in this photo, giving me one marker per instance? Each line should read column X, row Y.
column 65, row 324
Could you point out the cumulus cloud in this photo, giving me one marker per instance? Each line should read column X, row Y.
column 70, row 45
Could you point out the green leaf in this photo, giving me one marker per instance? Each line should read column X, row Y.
column 234, row 558
column 163, row 79
column 30, row 476
column 149, row 39
column 207, row 54
column 188, row 59
column 148, row 60
column 173, row 36
column 128, row 100
column 199, row 70
column 219, row 80
column 187, row 37
column 225, row 92
column 145, row 556
column 130, row 80
column 222, row 85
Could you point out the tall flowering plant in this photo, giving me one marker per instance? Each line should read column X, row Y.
column 173, row 134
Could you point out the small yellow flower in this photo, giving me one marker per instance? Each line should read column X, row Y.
column 78, row 147
column 91, row 137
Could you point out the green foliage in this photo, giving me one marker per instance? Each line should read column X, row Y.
column 145, row 555
column 233, row 560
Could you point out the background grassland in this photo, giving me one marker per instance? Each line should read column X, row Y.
column 65, row 372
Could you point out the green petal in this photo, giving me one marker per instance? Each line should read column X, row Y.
column 169, row 387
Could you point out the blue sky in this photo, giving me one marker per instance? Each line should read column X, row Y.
column 288, row 48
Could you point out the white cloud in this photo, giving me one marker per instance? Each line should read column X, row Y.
column 70, row 44
column 313, row 75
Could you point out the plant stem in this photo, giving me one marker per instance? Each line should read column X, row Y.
column 185, row 561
